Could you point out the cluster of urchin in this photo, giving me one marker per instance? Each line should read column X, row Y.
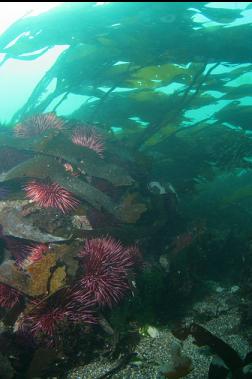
column 105, row 265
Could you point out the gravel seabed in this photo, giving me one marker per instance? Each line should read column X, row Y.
column 155, row 353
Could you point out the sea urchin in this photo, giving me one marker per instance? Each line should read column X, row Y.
column 89, row 137
column 51, row 195
column 107, row 264
column 37, row 124
column 9, row 297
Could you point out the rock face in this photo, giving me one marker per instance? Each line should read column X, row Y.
column 15, row 224
column 42, row 167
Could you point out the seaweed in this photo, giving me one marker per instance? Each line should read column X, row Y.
column 229, row 361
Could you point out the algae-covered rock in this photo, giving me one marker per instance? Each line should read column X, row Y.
column 131, row 208
column 81, row 222
column 40, row 275
column 58, row 279
column 11, row 276
column 47, row 167
column 15, row 224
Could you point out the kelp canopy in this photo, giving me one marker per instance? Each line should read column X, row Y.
column 141, row 67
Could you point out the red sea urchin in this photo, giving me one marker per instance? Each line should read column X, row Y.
column 24, row 254
column 89, row 137
column 79, row 309
column 44, row 318
column 34, row 253
column 9, row 297
column 51, row 195
column 41, row 321
column 35, row 125
column 106, row 265
column 47, row 321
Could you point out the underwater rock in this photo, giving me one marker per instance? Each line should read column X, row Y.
column 67, row 254
column 47, row 167
column 58, row 279
column 14, row 224
column 43, row 167
column 11, row 276
column 41, row 361
column 41, row 277
column 6, row 370
column 179, row 366
column 130, row 209
column 44, row 276
column 10, row 157
column 152, row 331
column 81, row 222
